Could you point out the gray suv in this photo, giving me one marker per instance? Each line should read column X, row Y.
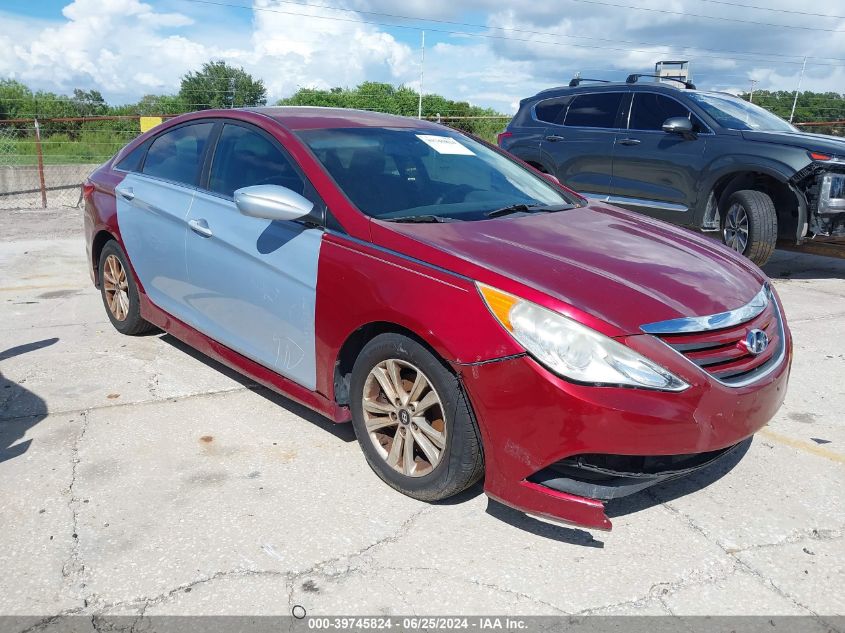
column 709, row 161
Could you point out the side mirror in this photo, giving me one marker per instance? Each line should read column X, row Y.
column 679, row 125
column 272, row 202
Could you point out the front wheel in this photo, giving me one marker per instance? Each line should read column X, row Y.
column 750, row 225
column 412, row 420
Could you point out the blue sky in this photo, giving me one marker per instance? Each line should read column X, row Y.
column 489, row 52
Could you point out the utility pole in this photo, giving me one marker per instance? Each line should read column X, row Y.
column 751, row 95
column 422, row 71
column 800, row 79
column 232, row 92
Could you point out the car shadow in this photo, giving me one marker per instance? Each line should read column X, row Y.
column 343, row 432
column 794, row 264
column 671, row 490
column 29, row 408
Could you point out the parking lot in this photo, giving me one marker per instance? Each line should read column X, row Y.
column 139, row 477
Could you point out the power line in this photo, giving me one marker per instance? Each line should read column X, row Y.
column 493, row 36
column 759, row 8
column 708, row 17
column 518, row 30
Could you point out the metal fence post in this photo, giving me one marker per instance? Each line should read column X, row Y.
column 40, row 155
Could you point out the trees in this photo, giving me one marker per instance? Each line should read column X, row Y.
column 218, row 85
column 811, row 106
column 404, row 101
column 15, row 99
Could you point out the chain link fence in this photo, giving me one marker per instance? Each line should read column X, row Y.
column 44, row 161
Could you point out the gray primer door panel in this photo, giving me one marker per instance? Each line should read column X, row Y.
column 151, row 214
column 253, row 285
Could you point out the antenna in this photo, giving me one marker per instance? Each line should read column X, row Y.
column 422, row 71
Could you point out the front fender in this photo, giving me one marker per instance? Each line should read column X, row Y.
column 359, row 284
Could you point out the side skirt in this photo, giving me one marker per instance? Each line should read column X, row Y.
column 260, row 374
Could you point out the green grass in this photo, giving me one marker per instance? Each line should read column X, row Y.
column 61, row 149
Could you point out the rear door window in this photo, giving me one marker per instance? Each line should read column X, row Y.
column 245, row 157
column 177, row 155
column 598, row 109
column 650, row 110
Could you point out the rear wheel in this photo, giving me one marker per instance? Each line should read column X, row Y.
column 120, row 292
column 413, row 421
column 750, row 225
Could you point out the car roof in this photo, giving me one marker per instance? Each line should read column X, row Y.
column 315, row 118
column 612, row 87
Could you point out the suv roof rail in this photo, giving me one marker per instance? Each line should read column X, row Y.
column 633, row 78
column 576, row 81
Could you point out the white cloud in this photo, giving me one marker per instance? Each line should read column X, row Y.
column 126, row 48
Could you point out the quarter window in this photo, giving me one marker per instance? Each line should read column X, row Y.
column 177, row 155
column 244, row 158
column 594, row 110
column 650, row 110
column 132, row 161
column 552, row 110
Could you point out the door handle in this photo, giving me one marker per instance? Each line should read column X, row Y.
column 629, row 141
column 127, row 193
column 554, row 138
column 200, row 227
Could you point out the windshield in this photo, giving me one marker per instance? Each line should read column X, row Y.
column 402, row 174
column 736, row 114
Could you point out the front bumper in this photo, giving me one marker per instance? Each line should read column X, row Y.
column 531, row 421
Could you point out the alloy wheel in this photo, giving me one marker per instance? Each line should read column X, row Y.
column 116, row 288
column 736, row 228
column 404, row 417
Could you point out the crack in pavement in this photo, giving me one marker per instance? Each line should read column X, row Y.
column 742, row 565
column 188, row 396
column 291, row 577
column 809, row 534
column 73, row 569
column 520, row 595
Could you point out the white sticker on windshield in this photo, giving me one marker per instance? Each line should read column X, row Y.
column 445, row 144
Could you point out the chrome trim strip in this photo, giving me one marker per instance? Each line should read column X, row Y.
column 654, row 204
column 714, row 321
column 635, row 202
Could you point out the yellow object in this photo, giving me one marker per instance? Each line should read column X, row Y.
column 149, row 122
column 500, row 304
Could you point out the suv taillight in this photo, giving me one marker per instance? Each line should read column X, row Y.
column 502, row 136
column 87, row 190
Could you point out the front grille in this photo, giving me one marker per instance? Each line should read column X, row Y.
column 722, row 352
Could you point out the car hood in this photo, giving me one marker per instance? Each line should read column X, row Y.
column 620, row 267
column 811, row 142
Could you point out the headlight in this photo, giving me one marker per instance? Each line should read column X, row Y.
column 832, row 193
column 572, row 350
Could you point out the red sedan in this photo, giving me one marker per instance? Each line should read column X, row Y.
column 470, row 316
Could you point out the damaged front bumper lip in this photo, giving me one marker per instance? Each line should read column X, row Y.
column 578, row 476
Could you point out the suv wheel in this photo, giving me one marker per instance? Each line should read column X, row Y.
column 750, row 225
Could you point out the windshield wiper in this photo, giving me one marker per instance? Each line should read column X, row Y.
column 528, row 208
column 421, row 219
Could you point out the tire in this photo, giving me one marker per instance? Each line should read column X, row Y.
column 761, row 225
column 450, row 422
column 125, row 313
